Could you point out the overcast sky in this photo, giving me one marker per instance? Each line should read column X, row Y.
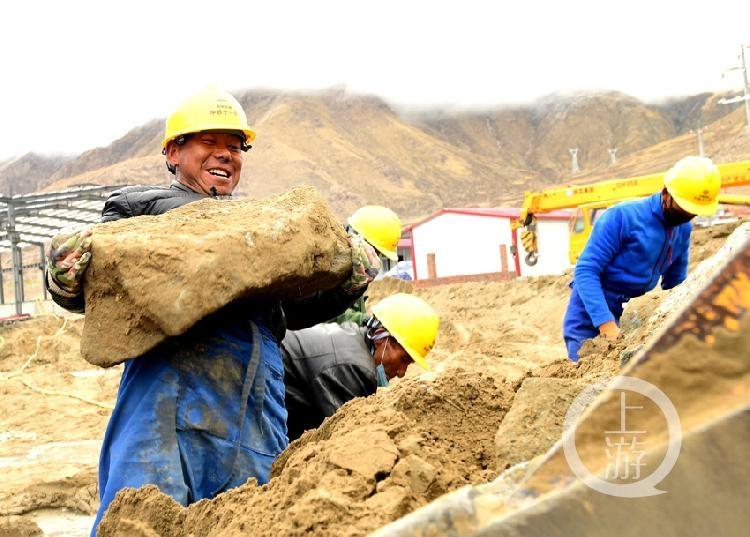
column 77, row 75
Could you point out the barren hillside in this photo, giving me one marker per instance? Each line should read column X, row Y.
column 28, row 173
column 354, row 150
column 358, row 150
column 724, row 140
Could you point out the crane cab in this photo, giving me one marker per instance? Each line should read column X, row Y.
column 581, row 224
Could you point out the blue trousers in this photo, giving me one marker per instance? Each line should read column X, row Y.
column 197, row 415
column 577, row 325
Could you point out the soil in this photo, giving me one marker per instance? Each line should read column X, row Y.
column 53, row 410
column 152, row 277
column 498, row 357
column 382, row 457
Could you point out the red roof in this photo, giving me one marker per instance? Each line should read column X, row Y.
column 495, row 212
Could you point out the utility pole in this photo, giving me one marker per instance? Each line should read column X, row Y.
column 746, row 88
column 612, row 156
column 699, row 132
column 574, row 169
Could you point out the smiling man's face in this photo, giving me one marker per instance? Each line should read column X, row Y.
column 208, row 160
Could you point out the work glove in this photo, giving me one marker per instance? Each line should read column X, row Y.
column 610, row 330
column 528, row 239
column 68, row 257
column 365, row 264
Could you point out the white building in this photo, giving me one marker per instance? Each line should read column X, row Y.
column 463, row 242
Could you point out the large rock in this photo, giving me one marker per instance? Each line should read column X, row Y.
column 535, row 420
column 153, row 277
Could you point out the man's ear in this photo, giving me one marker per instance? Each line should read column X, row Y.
column 665, row 198
column 173, row 153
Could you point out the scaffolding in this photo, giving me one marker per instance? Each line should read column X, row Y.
column 31, row 220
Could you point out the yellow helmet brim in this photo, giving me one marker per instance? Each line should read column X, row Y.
column 697, row 209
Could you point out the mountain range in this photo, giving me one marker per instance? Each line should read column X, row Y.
column 360, row 150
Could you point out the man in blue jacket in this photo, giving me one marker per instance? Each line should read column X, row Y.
column 204, row 411
column 634, row 244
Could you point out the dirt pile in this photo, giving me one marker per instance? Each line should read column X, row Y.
column 384, row 456
column 53, row 411
column 709, row 384
column 535, row 420
column 705, row 242
column 375, row 460
column 156, row 276
column 18, row 526
column 498, row 357
column 496, row 395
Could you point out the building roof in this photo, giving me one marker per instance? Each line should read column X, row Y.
column 494, row 212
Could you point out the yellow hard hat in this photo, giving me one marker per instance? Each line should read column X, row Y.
column 412, row 321
column 211, row 109
column 379, row 226
column 694, row 183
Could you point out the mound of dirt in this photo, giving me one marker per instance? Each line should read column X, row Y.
column 534, row 422
column 705, row 242
column 499, row 365
column 53, row 411
column 152, row 277
column 19, row 526
column 373, row 461
column 496, row 394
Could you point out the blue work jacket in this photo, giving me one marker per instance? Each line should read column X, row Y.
column 630, row 248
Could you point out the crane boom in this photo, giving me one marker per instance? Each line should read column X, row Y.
column 606, row 192
column 565, row 197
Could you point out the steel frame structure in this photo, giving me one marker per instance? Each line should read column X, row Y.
column 33, row 219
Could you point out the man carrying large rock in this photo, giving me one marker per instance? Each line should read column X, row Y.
column 204, row 411
column 329, row 364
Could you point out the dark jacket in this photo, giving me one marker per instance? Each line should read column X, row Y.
column 154, row 200
column 324, row 367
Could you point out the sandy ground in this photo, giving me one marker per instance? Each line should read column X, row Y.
column 49, row 441
column 498, row 353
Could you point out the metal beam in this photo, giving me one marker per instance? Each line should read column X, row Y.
column 72, row 219
column 44, row 275
column 92, row 193
column 35, row 224
column 17, row 261
column 21, row 234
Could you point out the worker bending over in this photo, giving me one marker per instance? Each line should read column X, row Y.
column 204, row 411
column 329, row 364
column 632, row 245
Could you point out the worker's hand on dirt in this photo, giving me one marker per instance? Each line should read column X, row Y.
column 528, row 239
column 610, row 330
column 68, row 257
column 365, row 264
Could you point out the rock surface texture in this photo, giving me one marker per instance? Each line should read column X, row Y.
column 152, row 277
